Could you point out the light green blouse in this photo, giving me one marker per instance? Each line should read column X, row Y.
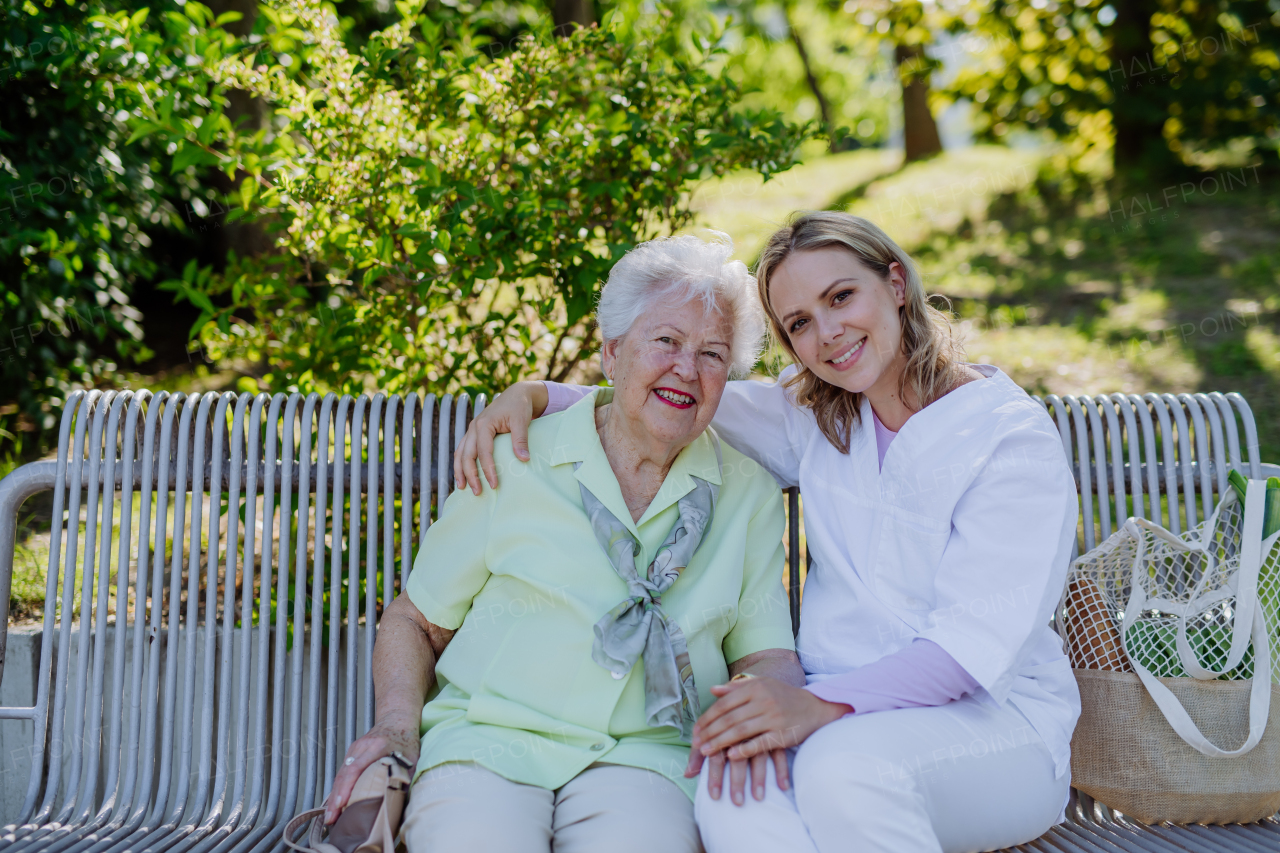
column 519, row 574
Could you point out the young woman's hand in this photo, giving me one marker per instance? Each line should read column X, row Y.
column 511, row 411
column 758, row 716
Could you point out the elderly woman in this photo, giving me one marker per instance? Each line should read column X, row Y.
column 566, row 630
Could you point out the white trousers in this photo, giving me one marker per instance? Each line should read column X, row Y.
column 960, row 777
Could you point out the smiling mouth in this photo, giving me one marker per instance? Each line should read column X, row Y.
column 674, row 398
column 853, row 351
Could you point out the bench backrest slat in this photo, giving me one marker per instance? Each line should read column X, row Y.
column 1159, row 456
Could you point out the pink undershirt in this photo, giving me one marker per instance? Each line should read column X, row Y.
column 920, row 675
column 884, row 435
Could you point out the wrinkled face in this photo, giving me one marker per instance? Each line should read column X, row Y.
column 841, row 317
column 670, row 369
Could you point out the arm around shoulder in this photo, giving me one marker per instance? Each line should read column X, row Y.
column 759, row 419
column 510, row 412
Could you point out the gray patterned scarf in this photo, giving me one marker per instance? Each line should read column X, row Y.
column 638, row 626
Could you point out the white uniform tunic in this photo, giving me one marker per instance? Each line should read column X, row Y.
column 964, row 538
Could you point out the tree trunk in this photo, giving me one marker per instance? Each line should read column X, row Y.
column 568, row 15
column 824, row 105
column 1137, row 110
column 246, row 239
column 919, row 130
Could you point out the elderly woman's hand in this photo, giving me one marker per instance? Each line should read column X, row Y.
column 404, row 665
column 381, row 740
column 756, row 767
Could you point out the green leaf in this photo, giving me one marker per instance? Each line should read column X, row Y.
column 200, row 299
column 248, row 187
column 208, row 128
column 143, row 129
column 199, row 324
column 189, row 154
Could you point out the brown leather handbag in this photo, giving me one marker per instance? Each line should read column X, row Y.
column 371, row 819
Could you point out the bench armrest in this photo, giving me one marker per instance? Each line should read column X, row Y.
column 21, row 484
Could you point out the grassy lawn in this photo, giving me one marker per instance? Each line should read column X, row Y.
column 1090, row 301
column 750, row 209
column 1163, row 291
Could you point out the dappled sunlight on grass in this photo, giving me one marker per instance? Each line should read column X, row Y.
column 938, row 195
column 1053, row 359
column 1145, row 312
column 1067, row 299
column 750, row 209
column 1264, row 346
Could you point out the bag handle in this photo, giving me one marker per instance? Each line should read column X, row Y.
column 1243, row 587
column 314, row 837
column 1250, row 565
column 1248, row 620
column 1259, row 699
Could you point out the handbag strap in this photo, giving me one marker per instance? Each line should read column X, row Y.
column 1249, row 622
column 315, row 836
column 397, row 769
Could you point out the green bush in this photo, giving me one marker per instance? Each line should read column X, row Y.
column 440, row 218
column 358, row 164
column 79, row 209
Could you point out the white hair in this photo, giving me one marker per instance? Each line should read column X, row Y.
column 688, row 268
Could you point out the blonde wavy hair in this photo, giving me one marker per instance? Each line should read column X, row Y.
column 933, row 354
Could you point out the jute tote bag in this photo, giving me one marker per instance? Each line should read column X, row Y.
column 1170, row 637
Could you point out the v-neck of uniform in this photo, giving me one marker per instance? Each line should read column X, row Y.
column 906, row 434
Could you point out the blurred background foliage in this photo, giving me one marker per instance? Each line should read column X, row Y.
column 441, row 218
column 427, row 194
column 334, row 196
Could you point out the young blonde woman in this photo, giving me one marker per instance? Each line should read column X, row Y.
column 940, row 513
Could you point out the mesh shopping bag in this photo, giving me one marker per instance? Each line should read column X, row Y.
column 1167, row 633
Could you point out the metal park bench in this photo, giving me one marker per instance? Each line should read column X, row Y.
column 217, row 562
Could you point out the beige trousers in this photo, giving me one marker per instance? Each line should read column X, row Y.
column 606, row 808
